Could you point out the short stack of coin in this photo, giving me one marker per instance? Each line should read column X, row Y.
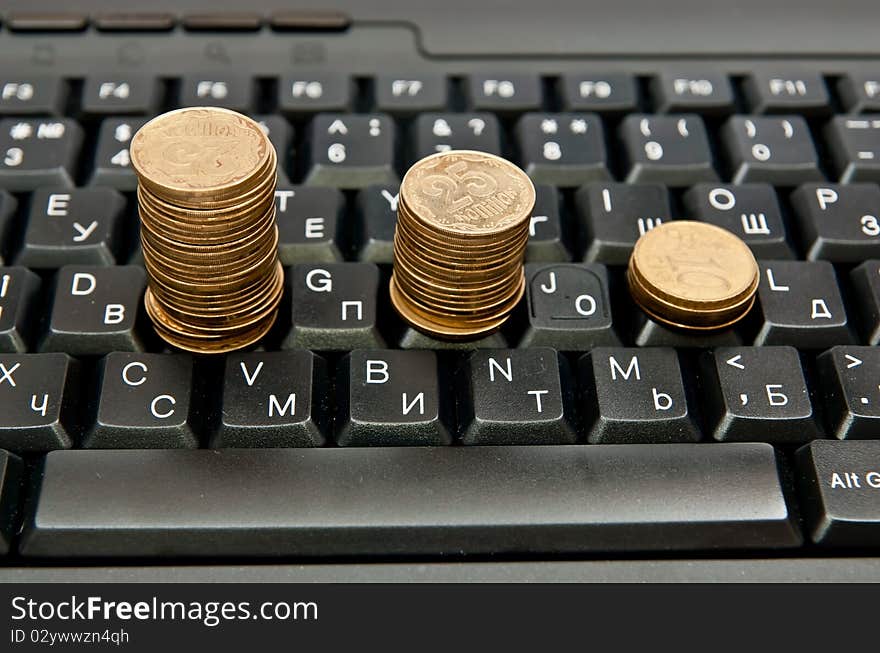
column 462, row 229
column 693, row 275
column 206, row 197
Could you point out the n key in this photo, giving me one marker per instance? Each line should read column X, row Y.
column 853, row 387
column 309, row 224
column 74, row 226
column 37, row 153
column 351, row 151
column 839, row 223
column 672, row 150
column 35, row 392
column 18, row 304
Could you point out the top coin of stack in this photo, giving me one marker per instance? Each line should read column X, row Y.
column 206, row 198
column 462, row 228
column 693, row 275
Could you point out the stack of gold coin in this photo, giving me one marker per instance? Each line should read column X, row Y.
column 462, row 227
column 206, row 198
column 693, row 275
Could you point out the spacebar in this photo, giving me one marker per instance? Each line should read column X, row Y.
column 380, row 501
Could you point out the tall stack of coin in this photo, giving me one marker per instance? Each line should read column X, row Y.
column 462, row 227
column 693, row 275
column 206, row 197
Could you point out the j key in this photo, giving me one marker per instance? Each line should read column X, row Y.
column 759, row 393
column 866, row 286
column 635, row 395
column 853, row 389
column 392, row 398
column 18, row 297
column 234, row 92
column 377, row 214
column 299, row 94
column 564, row 149
column 408, row 94
column 840, row 485
column 278, row 399
column 72, row 226
column 802, row 92
column 10, row 484
column 800, row 304
column 568, row 307
column 614, row 216
column 37, row 153
column 334, row 306
column 114, row 95
column 505, row 93
column 667, row 149
column 439, row 132
column 145, row 403
column 706, row 94
column 778, row 150
column 519, row 396
column 280, row 134
column 839, row 223
column 351, row 151
column 112, row 160
column 36, row 95
column 36, row 393
column 751, row 211
column 854, row 145
column 546, row 238
column 8, row 205
column 435, row 500
column 95, row 310
column 860, row 93
column 602, row 93
column 309, row 220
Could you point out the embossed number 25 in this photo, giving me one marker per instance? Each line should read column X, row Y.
column 458, row 185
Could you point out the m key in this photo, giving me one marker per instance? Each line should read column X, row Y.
column 853, row 386
column 839, row 223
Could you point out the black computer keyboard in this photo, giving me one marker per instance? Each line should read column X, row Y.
column 582, row 428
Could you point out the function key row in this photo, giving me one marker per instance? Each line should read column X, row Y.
column 806, row 93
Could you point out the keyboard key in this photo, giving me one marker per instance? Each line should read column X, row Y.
column 710, row 94
column 778, row 150
column 758, row 393
column 564, row 149
column 95, row 310
column 298, row 94
column 614, row 216
column 866, row 287
column 568, row 307
column 408, row 94
column 859, row 93
column 31, row 95
column 37, row 153
column 280, row 134
column 439, row 132
column 144, row 403
column 112, row 160
column 309, row 223
column 377, row 218
column 10, row 489
column 667, row 149
column 116, row 95
column 635, row 395
column 853, row 391
column 751, row 211
column 800, row 304
column 234, row 92
column 602, row 93
column 781, row 92
column 334, row 306
column 278, row 399
column 141, row 21
column 504, row 93
column 840, row 487
column 491, row 500
column 839, row 223
column 19, row 289
column 8, row 205
column 546, row 237
column 854, row 145
column 351, row 151
column 72, row 226
column 36, row 392
column 520, row 396
column 392, row 398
